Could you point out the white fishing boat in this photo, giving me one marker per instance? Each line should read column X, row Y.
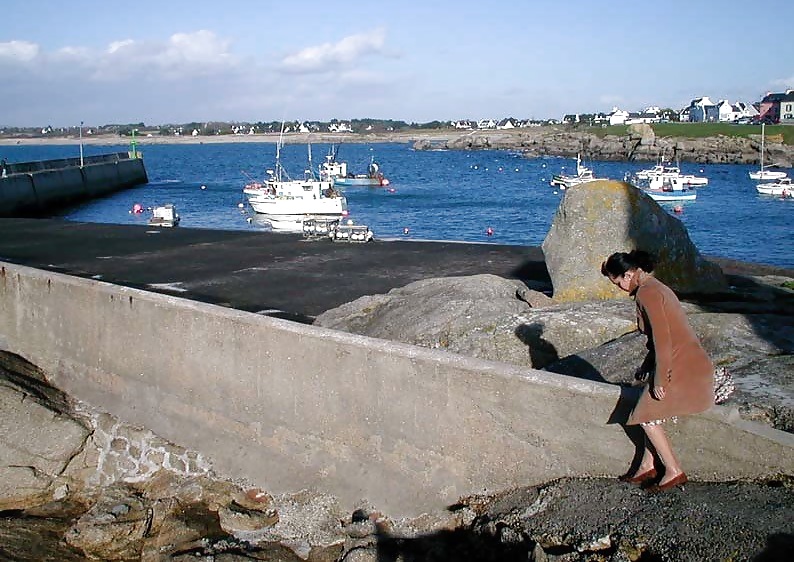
column 763, row 174
column 286, row 202
column 331, row 169
column 672, row 172
column 583, row 175
column 669, row 189
column 780, row 188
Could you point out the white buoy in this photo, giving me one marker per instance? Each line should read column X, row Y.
column 240, row 205
column 203, row 187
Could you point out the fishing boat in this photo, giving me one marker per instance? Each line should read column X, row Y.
column 583, row 175
column 673, row 172
column 285, row 203
column 331, row 169
column 780, row 188
column 764, row 174
column 669, row 189
column 373, row 178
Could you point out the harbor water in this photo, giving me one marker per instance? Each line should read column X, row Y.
column 484, row 196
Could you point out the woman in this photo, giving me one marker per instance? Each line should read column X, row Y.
column 681, row 380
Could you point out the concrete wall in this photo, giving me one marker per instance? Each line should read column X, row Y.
column 288, row 406
column 49, row 185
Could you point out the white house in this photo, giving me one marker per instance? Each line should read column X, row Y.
column 486, row 124
column 746, row 110
column 725, row 109
column 340, row 128
column 506, row 124
column 304, row 128
column 463, row 124
column 617, row 116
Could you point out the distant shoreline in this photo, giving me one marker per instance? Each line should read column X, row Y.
column 289, row 138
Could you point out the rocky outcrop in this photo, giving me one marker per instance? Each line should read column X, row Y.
column 37, row 437
column 483, row 316
column 598, row 218
column 640, row 144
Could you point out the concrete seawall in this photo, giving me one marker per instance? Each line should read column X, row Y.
column 288, row 406
column 37, row 188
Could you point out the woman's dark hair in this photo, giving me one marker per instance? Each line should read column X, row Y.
column 620, row 262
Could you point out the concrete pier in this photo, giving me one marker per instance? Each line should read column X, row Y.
column 39, row 188
column 287, row 406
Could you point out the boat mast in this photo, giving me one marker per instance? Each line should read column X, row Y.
column 762, row 149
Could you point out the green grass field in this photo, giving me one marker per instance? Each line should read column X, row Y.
column 699, row 130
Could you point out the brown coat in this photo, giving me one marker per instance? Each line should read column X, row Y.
column 682, row 366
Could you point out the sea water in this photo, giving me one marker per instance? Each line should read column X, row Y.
column 432, row 195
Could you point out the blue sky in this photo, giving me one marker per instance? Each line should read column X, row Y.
column 243, row 60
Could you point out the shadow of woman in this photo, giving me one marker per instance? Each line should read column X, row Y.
column 629, row 395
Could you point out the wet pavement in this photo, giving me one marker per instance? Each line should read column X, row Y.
column 282, row 275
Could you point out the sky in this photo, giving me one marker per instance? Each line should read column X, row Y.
column 177, row 61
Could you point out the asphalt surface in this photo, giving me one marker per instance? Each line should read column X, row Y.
column 281, row 275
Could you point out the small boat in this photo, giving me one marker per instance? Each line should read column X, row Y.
column 781, row 188
column 373, row 178
column 583, row 175
column 164, row 215
column 669, row 189
column 764, row 174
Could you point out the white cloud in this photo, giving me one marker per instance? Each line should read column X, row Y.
column 19, row 51
column 323, row 58
column 118, row 45
column 785, row 83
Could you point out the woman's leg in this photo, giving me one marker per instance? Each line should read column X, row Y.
column 658, row 438
column 648, row 458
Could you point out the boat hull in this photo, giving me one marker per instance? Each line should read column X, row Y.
column 684, row 195
column 364, row 182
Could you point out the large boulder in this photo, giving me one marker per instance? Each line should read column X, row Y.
column 598, row 218
column 483, row 316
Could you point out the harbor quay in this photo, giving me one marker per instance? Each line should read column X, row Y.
column 38, row 188
column 127, row 319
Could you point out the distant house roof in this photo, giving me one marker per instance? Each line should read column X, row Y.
column 789, row 96
column 701, row 101
column 774, row 98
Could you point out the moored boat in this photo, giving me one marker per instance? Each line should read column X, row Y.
column 583, row 175
column 285, row 202
column 781, row 188
column 669, row 189
column 164, row 215
column 763, row 174
column 373, row 178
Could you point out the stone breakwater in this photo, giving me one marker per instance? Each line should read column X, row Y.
column 640, row 144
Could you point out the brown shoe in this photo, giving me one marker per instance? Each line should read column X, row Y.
column 638, row 478
column 679, row 480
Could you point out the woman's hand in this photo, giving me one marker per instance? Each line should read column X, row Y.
column 657, row 392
